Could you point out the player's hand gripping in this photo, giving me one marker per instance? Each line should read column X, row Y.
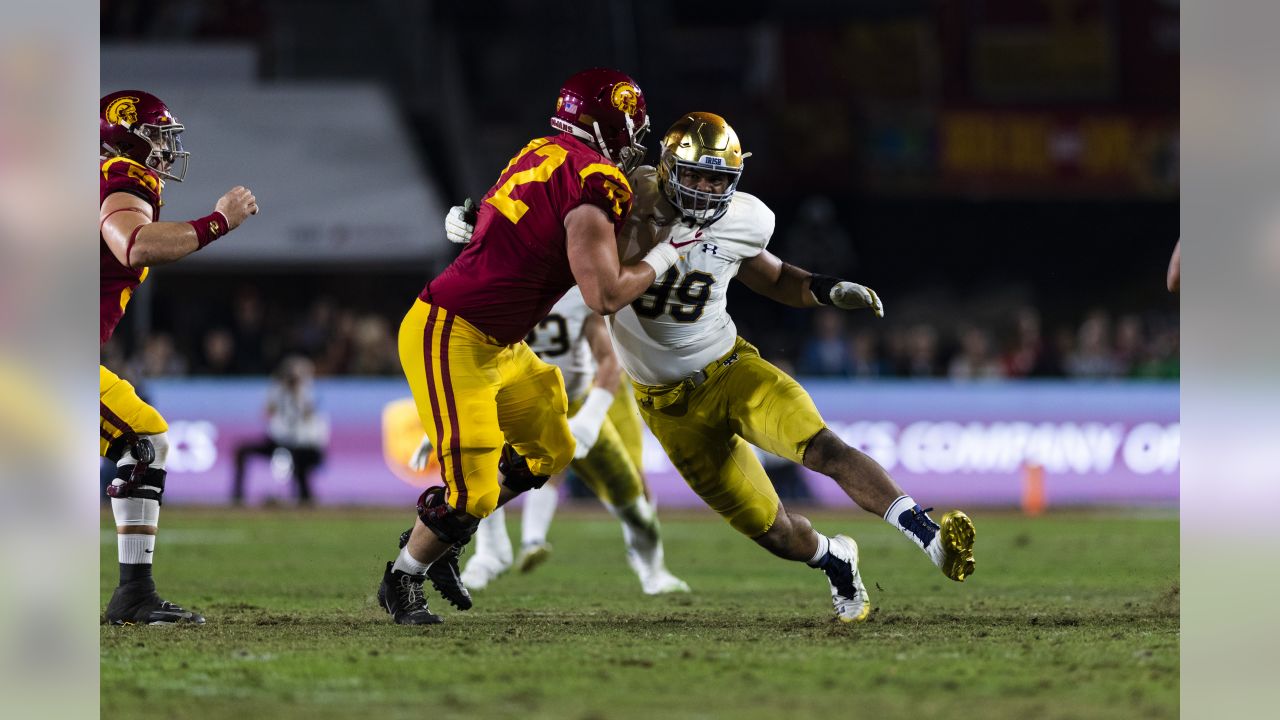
column 421, row 456
column 238, row 204
column 852, row 296
column 460, row 222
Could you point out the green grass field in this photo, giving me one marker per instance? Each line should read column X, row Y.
column 1068, row 616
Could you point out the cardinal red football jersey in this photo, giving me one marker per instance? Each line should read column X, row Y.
column 516, row 267
column 117, row 282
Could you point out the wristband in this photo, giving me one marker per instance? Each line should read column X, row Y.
column 661, row 258
column 821, row 287
column 209, row 228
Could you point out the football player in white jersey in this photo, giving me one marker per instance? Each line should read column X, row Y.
column 706, row 393
column 604, row 422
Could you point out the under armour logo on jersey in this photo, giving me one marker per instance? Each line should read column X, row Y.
column 709, row 248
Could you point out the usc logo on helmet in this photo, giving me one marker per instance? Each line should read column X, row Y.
column 123, row 111
column 624, row 97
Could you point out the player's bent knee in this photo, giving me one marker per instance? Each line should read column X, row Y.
column 516, row 474
column 451, row 525
column 824, row 448
column 482, row 505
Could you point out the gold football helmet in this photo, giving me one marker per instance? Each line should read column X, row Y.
column 704, row 142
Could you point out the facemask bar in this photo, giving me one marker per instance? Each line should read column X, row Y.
column 167, row 157
column 629, row 157
column 697, row 206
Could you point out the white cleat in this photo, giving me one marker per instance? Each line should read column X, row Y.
column 662, row 582
column 848, row 594
column 482, row 570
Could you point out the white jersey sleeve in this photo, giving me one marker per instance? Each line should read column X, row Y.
column 682, row 322
column 559, row 339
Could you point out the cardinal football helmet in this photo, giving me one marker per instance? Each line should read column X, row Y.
column 606, row 109
column 137, row 125
column 700, row 141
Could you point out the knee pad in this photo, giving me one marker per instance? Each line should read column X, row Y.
column 450, row 524
column 516, row 474
column 138, row 481
column 146, row 450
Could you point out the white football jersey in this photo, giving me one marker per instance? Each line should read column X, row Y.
column 682, row 322
column 559, row 339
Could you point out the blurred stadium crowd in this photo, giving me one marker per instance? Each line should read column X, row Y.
column 249, row 336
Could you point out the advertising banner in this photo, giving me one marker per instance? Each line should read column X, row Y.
column 1112, row 443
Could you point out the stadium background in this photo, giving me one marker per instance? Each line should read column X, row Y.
column 1004, row 173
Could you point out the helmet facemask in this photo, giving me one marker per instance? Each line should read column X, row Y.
column 628, row 156
column 698, row 207
column 166, row 149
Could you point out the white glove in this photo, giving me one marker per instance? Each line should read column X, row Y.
column 585, row 424
column 421, row 456
column 852, row 296
column 460, row 222
column 661, row 258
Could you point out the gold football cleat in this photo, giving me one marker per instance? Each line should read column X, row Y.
column 956, row 533
column 532, row 556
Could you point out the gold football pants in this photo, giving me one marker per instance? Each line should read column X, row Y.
column 608, row 469
column 705, row 428
column 122, row 412
column 473, row 394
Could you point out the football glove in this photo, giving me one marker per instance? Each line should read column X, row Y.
column 852, row 296
column 421, row 456
column 460, row 222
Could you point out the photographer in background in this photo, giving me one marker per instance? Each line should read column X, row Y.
column 297, row 434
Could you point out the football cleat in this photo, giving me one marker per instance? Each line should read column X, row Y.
column 533, row 555
column 954, row 543
column 401, row 595
column 483, row 569
column 137, row 603
column 848, row 594
column 662, row 582
column 447, row 579
column 444, row 576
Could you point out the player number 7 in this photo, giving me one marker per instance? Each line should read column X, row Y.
column 553, row 157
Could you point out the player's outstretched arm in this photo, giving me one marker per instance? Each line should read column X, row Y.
column 608, row 285
column 137, row 241
column 1173, row 279
column 769, row 276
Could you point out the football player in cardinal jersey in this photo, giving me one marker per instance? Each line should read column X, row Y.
column 706, row 393
column 487, row 402
column 140, row 149
column 604, row 421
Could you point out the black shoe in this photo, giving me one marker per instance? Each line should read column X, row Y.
column 401, row 595
column 445, row 576
column 137, row 603
column 447, row 579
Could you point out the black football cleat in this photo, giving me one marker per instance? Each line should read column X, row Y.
column 136, row 603
column 446, row 578
column 401, row 595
